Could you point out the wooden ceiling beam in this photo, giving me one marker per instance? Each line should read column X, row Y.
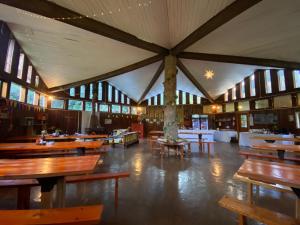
column 152, row 82
column 188, row 74
column 52, row 10
column 111, row 74
column 239, row 60
column 227, row 14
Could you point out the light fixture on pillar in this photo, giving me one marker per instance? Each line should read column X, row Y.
column 209, row 74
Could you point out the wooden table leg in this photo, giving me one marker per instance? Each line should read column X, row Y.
column 242, row 220
column 181, row 152
column 250, row 193
column 61, row 191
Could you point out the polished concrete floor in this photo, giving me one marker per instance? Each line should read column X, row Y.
column 166, row 191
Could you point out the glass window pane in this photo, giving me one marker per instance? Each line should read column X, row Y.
column 115, row 108
column 155, row 100
column 75, row 105
column 281, row 80
column 29, row 74
column 43, row 101
column 134, row 110
column 268, row 83
column 242, row 89
column 20, row 66
column 125, row 109
column 226, row 96
column 103, row 108
column 82, row 91
column 30, row 96
column 177, row 97
column 198, row 100
column 37, row 81
column 122, row 98
column 72, row 92
column 88, row 106
column 57, row 104
column 15, row 92
column 234, row 93
column 91, row 91
column 262, row 104
column 100, row 91
column 116, row 95
column 296, row 76
column 4, row 90
column 9, row 56
column 109, row 93
column 191, row 98
column 149, row 101
column 252, row 85
column 128, row 101
column 243, row 106
column 162, row 99
column 184, row 98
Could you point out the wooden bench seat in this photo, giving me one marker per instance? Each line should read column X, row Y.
column 24, row 185
column 248, row 154
column 75, row 215
column 246, row 210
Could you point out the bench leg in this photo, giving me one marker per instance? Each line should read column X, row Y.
column 116, row 192
column 23, row 198
column 250, row 193
column 242, row 220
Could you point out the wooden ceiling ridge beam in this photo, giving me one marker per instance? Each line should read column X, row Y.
column 239, row 60
column 111, row 74
column 52, row 10
column 152, row 82
column 225, row 15
column 188, row 74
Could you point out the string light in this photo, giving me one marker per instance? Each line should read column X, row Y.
column 92, row 15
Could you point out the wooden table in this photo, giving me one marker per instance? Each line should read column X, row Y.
column 33, row 147
column 273, row 173
column 279, row 148
column 178, row 146
column 49, row 172
column 58, row 138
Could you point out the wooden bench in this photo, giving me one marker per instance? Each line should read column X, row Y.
column 23, row 185
column 248, row 154
column 75, row 215
column 246, row 210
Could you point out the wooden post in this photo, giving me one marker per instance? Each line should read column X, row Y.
column 250, row 193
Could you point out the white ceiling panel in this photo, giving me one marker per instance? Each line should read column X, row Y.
column 270, row 29
column 135, row 82
column 226, row 74
column 158, row 87
column 62, row 53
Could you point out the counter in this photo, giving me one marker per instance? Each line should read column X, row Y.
column 224, row 135
column 246, row 138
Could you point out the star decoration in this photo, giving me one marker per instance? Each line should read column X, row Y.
column 209, row 74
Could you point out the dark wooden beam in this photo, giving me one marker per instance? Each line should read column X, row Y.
column 188, row 74
column 152, row 82
column 218, row 20
column 52, row 10
column 111, row 74
column 239, row 60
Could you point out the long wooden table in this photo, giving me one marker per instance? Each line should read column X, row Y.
column 9, row 148
column 273, row 139
column 58, row 138
column 49, row 172
column 279, row 148
column 273, row 173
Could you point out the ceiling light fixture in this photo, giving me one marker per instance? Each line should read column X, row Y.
column 209, row 74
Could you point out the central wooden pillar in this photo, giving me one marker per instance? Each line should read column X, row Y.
column 170, row 121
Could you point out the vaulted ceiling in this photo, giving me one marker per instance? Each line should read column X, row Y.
column 113, row 40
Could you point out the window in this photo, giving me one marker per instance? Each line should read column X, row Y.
column 125, row 109
column 268, row 83
column 128, row 101
column 109, row 93
column 281, row 80
column 162, row 99
column 116, row 95
column 229, row 107
column 296, row 77
column 9, row 56
column 115, row 109
column 57, row 104
column 75, row 105
column 29, row 74
column 122, row 98
column 96, row 107
column 4, row 90
column 282, row 101
column 252, row 85
column 134, row 110
column 88, row 106
column 103, row 108
column 243, row 106
column 242, row 89
column 30, row 96
column 297, row 115
column 91, row 91
column 244, row 121
column 226, row 96
column 177, row 97
column 72, row 92
column 149, row 101
column 233, row 93
column 198, row 100
column 100, row 91
column 43, row 101
column 37, row 81
column 20, row 66
column 82, row 91
column 15, row 92
column 262, row 104
column 184, row 98
column 155, row 100
column 191, row 99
